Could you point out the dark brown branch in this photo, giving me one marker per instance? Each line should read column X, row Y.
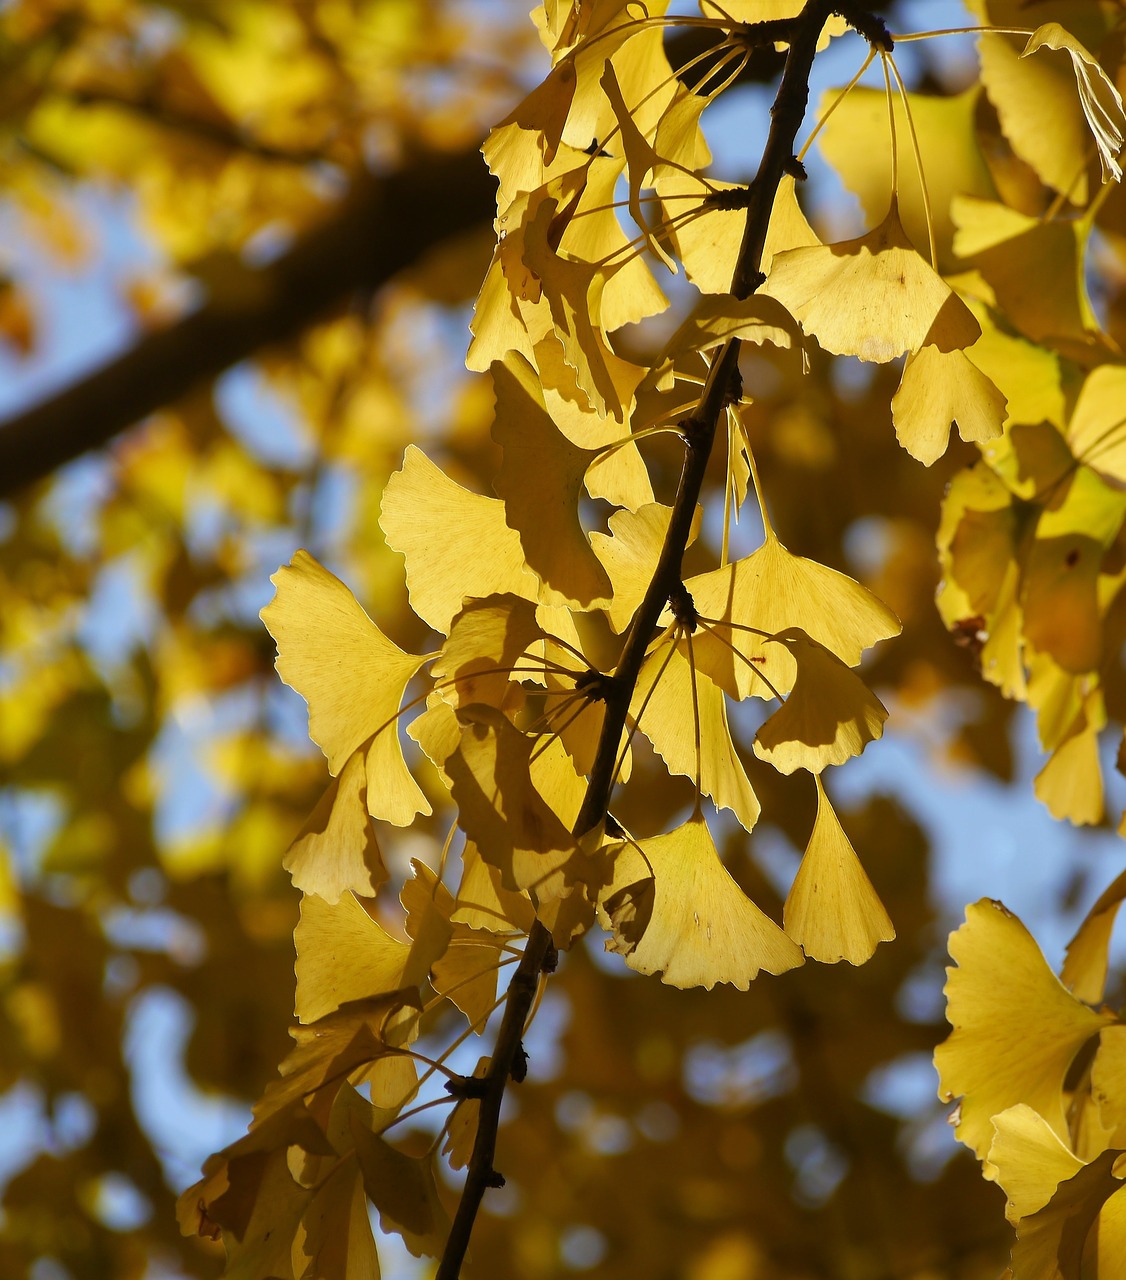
column 788, row 111
column 381, row 228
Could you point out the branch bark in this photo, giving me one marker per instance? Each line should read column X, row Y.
column 382, row 227
column 700, row 431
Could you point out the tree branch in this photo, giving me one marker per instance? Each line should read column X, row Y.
column 383, row 226
column 700, row 430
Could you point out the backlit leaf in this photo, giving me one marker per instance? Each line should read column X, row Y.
column 832, row 912
column 873, row 297
column 1016, row 1028
column 481, row 554
column 674, row 909
column 829, row 716
column 352, row 677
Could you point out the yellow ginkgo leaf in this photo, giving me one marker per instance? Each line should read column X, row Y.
column 1099, row 98
column 1097, row 430
column 521, row 149
column 500, row 808
column 674, row 909
column 352, row 677
column 706, row 237
column 1071, row 783
column 977, row 543
column 573, row 290
column 486, row 641
column 403, row 1190
column 1060, row 572
column 480, row 556
column 641, row 160
column 343, row 955
column 771, row 590
column 483, row 902
column 673, row 696
column 337, row 849
column 757, row 319
column 1016, row 1027
column 467, row 973
column 940, row 389
column 1085, row 966
column 618, row 475
column 630, row 556
column 1051, row 1242
column 1028, row 1160
column 594, row 234
column 1039, row 112
column 335, row 1235
column 1034, row 268
column 829, row 716
column 540, row 482
column 832, row 912
column 1108, row 1083
column 463, row 961
column 949, row 143
column 873, row 297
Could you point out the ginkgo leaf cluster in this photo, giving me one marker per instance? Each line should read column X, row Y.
column 562, row 651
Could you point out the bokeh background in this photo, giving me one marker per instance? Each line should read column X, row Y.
column 247, row 234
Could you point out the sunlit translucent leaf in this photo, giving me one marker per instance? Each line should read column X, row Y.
column 873, row 297
column 263, row 1247
column 335, row 1237
column 344, row 955
column 573, row 290
column 239, row 1186
column 486, row 641
column 1100, row 100
column 705, row 240
column 1040, row 113
column 1028, row 1159
column 977, row 543
column 1034, row 269
column 540, row 482
column 404, row 1192
column 482, row 902
column 467, row 973
column 630, row 556
column 772, row 590
column 1050, row 1243
column 948, row 139
column 832, row 912
column 1108, row 1083
column 337, row 849
column 619, row 474
column 940, row 389
column 829, row 716
column 500, row 809
column 1084, row 969
column 480, row 556
column 641, row 160
column 713, row 320
column 521, row 149
column 352, row 677
column 1016, row 1027
column 1028, row 376
column 1060, row 572
column 594, row 234
column 674, row 909
column 1071, row 783
column 674, row 697
column 1097, row 430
